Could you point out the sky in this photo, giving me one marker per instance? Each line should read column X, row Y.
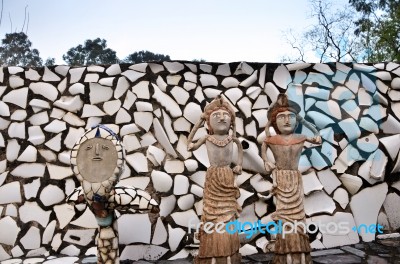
column 213, row 30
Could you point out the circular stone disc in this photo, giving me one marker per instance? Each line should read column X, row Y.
column 97, row 159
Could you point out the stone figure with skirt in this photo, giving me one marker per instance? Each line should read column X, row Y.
column 220, row 190
column 286, row 147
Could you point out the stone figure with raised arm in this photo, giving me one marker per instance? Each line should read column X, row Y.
column 286, row 147
column 220, row 190
column 97, row 160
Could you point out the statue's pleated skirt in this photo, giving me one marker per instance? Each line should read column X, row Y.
column 289, row 195
column 219, row 206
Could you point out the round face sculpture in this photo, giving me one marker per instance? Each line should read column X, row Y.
column 286, row 122
column 220, row 121
column 97, row 159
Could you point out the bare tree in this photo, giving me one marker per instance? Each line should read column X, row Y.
column 331, row 38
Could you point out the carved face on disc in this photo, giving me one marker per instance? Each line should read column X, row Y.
column 220, row 121
column 286, row 122
column 97, row 159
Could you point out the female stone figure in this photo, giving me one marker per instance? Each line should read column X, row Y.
column 286, row 147
column 220, row 190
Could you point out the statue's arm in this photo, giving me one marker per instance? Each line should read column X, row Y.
column 238, row 167
column 191, row 145
column 269, row 166
column 317, row 137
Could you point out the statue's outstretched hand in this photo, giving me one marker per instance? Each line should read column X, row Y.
column 237, row 169
column 190, row 146
column 269, row 166
column 316, row 140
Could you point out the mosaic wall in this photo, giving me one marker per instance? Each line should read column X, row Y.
column 353, row 177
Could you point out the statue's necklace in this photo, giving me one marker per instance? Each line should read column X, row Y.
column 221, row 143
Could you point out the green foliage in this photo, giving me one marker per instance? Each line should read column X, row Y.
column 145, row 56
column 91, row 52
column 50, row 62
column 379, row 28
column 15, row 50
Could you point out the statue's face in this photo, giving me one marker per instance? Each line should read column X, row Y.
column 97, row 159
column 220, row 121
column 286, row 122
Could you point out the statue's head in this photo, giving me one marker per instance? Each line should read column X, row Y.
column 283, row 115
column 98, row 157
column 220, row 117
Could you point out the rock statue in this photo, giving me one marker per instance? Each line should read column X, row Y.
column 220, row 190
column 286, row 147
column 97, row 160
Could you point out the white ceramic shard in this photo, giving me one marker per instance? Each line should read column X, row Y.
column 392, row 145
column 173, row 67
column 56, row 126
column 54, row 143
column 260, row 184
column 162, row 181
column 186, row 202
column 31, row 211
column 31, row 240
column 351, row 182
column 160, row 233
column 224, row 70
column 15, row 81
column 17, row 97
column 10, row 229
column 4, row 109
column 323, row 68
column 162, row 138
column 73, row 120
column 365, row 207
column 319, row 78
column 138, row 162
column 91, row 110
column 59, row 172
column 311, row 183
column 132, row 75
column 282, row 77
column 72, row 104
column 19, row 115
column 342, row 197
column 10, row 193
column 28, row 170
column 107, row 81
column 166, row 101
column 245, row 106
column 31, row 189
column 76, row 74
column 318, row 202
column 390, row 126
column 234, row 94
column 51, row 194
column 377, row 112
column 174, row 166
column 175, row 237
column 243, row 68
column 44, row 89
column 79, row 237
column 32, row 75
column 167, row 204
column 111, row 107
column 28, row 155
column 173, row 79
column 123, row 117
column 251, row 129
column 299, row 77
column 181, row 95
column 329, row 180
column 99, row 93
column 261, row 102
column 249, row 80
column 230, row 82
column 342, row 93
column 140, row 232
